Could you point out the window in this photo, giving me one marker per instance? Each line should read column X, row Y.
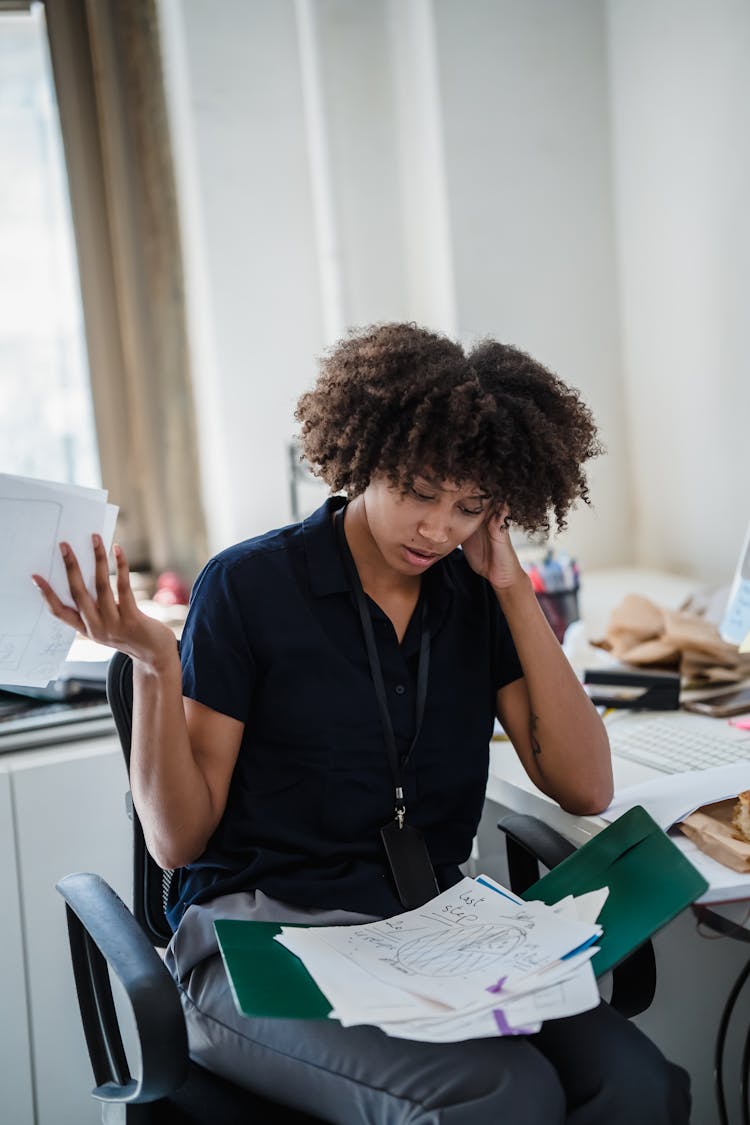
column 95, row 362
column 47, row 422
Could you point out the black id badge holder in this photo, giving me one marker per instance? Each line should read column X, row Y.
column 410, row 864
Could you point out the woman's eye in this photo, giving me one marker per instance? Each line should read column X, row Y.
column 420, row 495
column 472, row 511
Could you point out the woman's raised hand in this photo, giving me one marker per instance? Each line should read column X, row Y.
column 118, row 622
column 490, row 552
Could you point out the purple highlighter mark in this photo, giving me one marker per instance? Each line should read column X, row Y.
column 504, row 1027
column 497, row 987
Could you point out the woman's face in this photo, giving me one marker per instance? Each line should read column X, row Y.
column 415, row 525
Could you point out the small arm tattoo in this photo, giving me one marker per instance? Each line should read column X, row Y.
column 536, row 748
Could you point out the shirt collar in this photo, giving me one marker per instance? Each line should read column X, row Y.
column 325, row 567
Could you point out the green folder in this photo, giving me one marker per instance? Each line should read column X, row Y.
column 267, row 980
column 650, row 881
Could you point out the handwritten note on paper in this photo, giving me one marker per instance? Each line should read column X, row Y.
column 458, row 944
column 459, row 941
column 35, row 516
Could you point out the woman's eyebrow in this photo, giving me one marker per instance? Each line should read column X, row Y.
column 432, row 482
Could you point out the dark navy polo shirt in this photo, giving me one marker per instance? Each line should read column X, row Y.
column 273, row 638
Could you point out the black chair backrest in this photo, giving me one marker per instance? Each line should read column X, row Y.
column 150, row 882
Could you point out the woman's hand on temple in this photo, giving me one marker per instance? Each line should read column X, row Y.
column 118, row 622
column 490, row 552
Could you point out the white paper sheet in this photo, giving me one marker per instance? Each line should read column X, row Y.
column 356, row 996
column 35, row 516
column 576, row 993
column 460, row 1026
column 674, row 796
column 586, row 907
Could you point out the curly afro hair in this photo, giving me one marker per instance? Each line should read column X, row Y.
column 399, row 400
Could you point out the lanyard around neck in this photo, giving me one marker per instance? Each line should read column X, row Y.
column 376, row 671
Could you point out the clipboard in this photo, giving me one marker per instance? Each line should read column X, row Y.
column 267, row 980
column 650, row 882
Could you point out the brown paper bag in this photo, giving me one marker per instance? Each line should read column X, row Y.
column 710, row 828
column 641, row 633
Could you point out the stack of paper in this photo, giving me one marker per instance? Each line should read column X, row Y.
column 35, row 517
column 475, row 961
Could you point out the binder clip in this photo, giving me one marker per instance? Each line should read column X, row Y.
column 650, row 691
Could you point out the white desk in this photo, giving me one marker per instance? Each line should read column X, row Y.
column 683, row 1019
column 508, row 784
column 510, row 788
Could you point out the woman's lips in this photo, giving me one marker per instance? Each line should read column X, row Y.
column 420, row 558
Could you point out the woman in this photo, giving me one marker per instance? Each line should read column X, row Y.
column 336, row 693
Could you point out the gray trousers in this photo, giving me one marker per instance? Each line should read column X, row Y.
column 591, row 1069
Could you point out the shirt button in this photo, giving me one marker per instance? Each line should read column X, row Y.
column 400, row 689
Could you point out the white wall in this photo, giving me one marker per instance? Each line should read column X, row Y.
column 565, row 177
column 524, row 94
column 235, row 85
column 681, row 144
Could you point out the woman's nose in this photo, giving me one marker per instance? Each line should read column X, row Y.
column 434, row 528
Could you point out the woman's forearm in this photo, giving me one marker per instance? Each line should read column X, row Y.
column 170, row 793
column 567, row 754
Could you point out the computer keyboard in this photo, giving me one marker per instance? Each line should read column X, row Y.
column 678, row 742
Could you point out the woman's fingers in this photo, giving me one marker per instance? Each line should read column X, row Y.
column 57, row 608
column 114, row 621
column 85, row 604
column 101, row 570
column 125, row 595
column 500, row 518
column 105, row 599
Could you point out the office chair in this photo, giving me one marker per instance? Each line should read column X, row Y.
column 104, row 936
column 529, row 843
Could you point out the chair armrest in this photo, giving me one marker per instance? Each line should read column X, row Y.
column 529, row 842
column 105, row 936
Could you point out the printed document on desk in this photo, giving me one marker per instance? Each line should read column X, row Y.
column 671, row 797
column 35, row 516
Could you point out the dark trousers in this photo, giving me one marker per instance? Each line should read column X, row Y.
column 596, row 1068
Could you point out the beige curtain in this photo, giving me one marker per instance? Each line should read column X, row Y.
column 108, row 75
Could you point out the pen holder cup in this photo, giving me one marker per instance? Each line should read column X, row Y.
column 560, row 607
